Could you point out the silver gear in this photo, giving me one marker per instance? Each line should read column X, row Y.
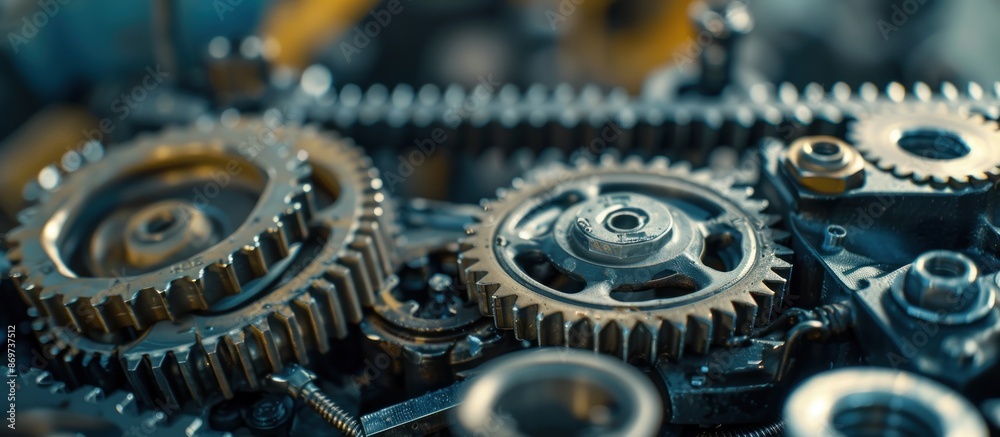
column 929, row 143
column 326, row 287
column 713, row 306
column 249, row 158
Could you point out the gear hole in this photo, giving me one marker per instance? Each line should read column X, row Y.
column 667, row 284
column 723, row 251
column 538, row 267
column 933, row 143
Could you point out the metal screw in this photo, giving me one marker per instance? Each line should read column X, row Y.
column 298, row 383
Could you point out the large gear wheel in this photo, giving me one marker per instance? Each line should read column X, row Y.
column 234, row 344
column 170, row 224
column 930, row 143
column 629, row 259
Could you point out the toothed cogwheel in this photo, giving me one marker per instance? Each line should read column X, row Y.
column 929, row 143
column 166, row 225
column 235, row 343
column 47, row 407
column 629, row 259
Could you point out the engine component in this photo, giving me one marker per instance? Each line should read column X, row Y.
column 206, row 212
column 424, row 415
column 933, row 316
column 298, row 382
column 48, row 407
column 555, row 391
column 428, row 326
column 233, row 344
column 958, row 340
column 630, row 259
column 872, row 401
column 930, row 144
column 944, row 287
column 825, row 164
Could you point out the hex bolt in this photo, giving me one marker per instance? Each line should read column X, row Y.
column 825, row 164
column 942, row 280
column 297, row 382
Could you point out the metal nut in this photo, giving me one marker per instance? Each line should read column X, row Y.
column 825, row 165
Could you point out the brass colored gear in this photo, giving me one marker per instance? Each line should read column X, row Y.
column 930, row 143
column 630, row 259
column 230, row 347
column 206, row 211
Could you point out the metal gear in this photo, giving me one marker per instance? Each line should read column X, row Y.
column 48, row 407
column 233, row 345
column 629, row 259
column 930, row 143
column 207, row 211
column 426, row 323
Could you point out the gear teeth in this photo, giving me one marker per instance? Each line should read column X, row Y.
column 642, row 343
column 323, row 305
column 700, row 333
column 550, row 329
column 724, row 324
column 287, row 319
column 216, row 355
column 181, row 293
column 310, row 324
column 236, row 341
column 606, row 338
column 87, row 316
column 187, row 370
column 504, row 310
column 343, row 280
column 485, row 290
column 163, row 379
column 356, row 264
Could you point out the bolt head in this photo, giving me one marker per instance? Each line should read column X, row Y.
column 825, row 165
column 943, row 281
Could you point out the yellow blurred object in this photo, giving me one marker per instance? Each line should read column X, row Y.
column 302, row 27
column 39, row 142
column 620, row 56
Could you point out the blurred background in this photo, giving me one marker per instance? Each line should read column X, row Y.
column 78, row 72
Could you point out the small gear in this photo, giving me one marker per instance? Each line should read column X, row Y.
column 170, row 224
column 929, row 143
column 428, row 325
column 232, row 345
column 629, row 259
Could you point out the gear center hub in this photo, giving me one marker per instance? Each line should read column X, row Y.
column 620, row 227
column 166, row 231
